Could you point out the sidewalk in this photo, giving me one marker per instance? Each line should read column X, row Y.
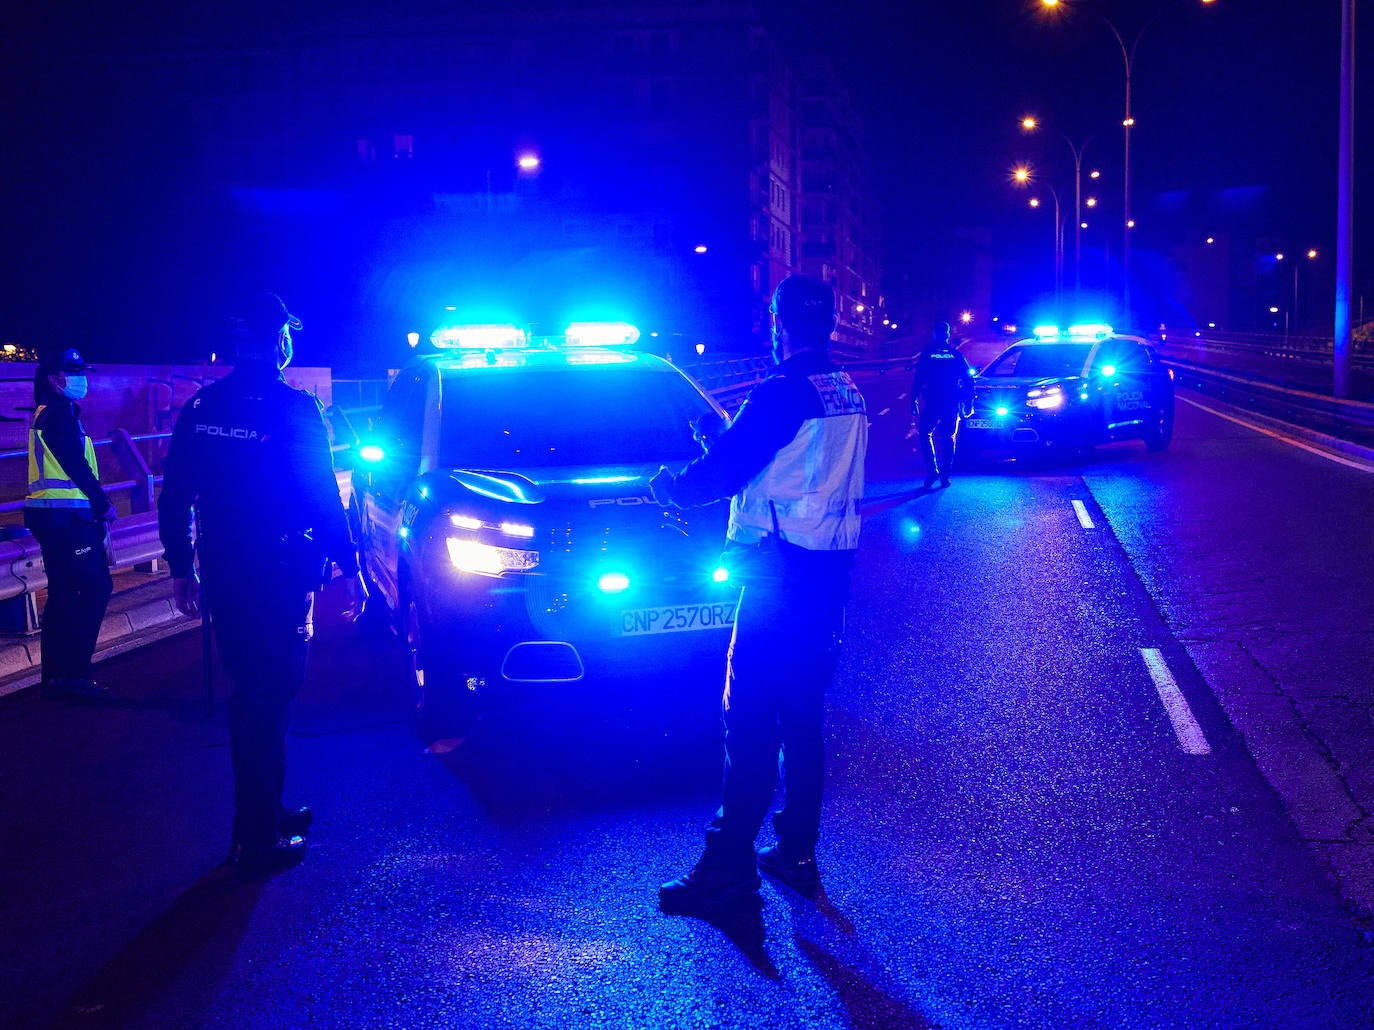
column 140, row 612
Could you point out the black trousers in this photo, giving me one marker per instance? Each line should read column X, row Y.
column 79, row 587
column 263, row 631
column 782, row 657
column 937, row 425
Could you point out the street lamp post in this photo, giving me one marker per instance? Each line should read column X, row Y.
column 1030, row 124
column 1022, row 177
column 1127, row 123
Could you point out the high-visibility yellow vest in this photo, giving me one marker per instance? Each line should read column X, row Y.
column 49, row 486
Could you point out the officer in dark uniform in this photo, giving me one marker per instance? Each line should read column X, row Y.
column 251, row 454
column 794, row 462
column 941, row 390
column 70, row 516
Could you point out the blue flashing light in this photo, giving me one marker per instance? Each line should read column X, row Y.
column 1090, row 331
column 613, row 582
column 1001, row 411
column 478, row 337
column 371, row 453
column 598, row 480
column 1108, row 371
column 720, row 574
column 1046, row 332
column 601, row 334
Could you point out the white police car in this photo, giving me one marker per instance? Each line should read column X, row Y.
column 1067, row 391
column 505, row 518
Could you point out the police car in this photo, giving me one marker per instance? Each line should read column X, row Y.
column 505, row 518
column 1066, row 392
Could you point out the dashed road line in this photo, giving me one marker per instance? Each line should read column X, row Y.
column 1186, row 728
column 1084, row 519
column 884, row 411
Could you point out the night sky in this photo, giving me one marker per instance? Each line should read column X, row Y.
column 1235, row 94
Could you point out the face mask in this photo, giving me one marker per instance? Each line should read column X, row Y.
column 285, row 351
column 75, row 389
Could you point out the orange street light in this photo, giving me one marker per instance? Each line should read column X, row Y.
column 1028, row 123
column 1021, row 174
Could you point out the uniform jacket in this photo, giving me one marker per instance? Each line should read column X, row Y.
column 943, row 379
column 252, row 454
column 795, row 450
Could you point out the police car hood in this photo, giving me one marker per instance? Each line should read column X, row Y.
column 581, row 509
column 1016, row 384
column 552, row 486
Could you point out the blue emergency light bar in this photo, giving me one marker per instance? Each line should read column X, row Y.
column 1084, row 332
column 478, row 337
column 1090, row 331
column 600, row 334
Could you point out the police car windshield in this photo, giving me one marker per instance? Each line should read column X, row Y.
column 612, row 415
column 1040, row 360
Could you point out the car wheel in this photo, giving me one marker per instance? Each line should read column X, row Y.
column 1161, row 429
column 444, row 708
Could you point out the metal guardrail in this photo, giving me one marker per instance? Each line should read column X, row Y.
column 1346, row 419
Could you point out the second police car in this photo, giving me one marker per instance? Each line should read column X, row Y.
column 506, row 521
column 1066, row 392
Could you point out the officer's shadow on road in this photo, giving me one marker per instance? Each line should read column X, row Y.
column 858, row 983
column 201, row 930
column 742, row 924
column 878, row 504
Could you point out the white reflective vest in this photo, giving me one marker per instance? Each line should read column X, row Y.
column 813, row 484
column 49, row 486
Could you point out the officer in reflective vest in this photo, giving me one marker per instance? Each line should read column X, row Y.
column 793, row 464
column 69, row 514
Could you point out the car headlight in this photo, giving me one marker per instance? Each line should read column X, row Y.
column 487, row 559
column 1048, row 399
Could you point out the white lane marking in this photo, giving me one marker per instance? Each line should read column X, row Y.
column 901, row 396
column 1186, row 728
column 1339, row 459
column 884, row 411
column 1084, row 519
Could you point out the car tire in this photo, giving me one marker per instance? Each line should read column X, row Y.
column 444, row 708
column 1161, row 429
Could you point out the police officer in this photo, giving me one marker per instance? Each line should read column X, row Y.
column 69, row 514
column 794, row 462
column 251, row 454
column 941, row 390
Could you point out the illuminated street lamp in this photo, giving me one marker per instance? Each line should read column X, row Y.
column 1022, row 177
column 1030, row 124
column 528, row 162
column 1311, row 256
column 966, row 317
column 1127, row 123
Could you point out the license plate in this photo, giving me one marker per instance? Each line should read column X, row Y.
column 980, row 423
column 680, row 618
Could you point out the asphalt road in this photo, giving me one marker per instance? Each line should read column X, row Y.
column 1018, row 833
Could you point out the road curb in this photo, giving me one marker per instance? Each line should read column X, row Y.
column 134, row 619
